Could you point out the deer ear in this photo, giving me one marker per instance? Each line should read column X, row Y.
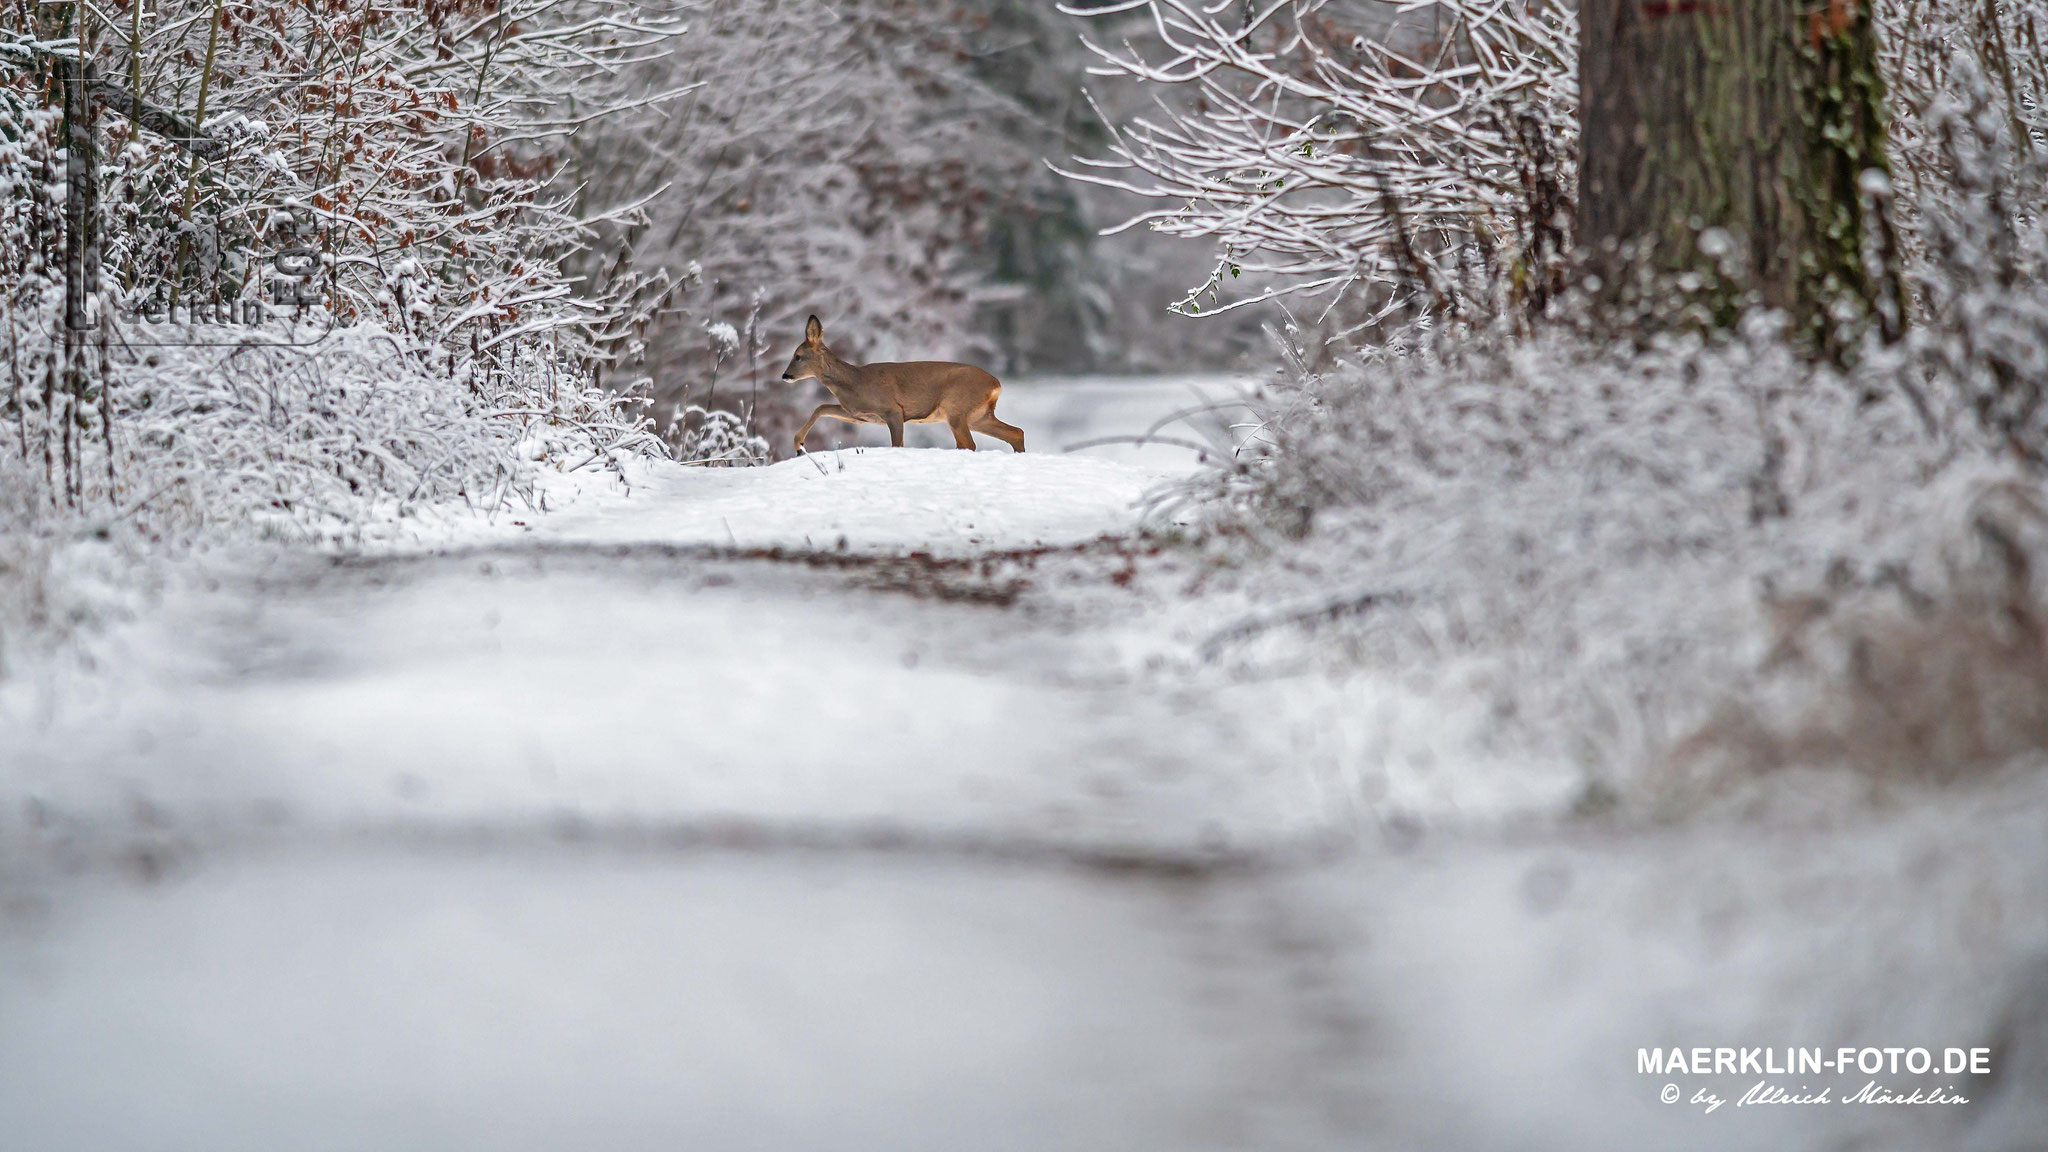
column 814, row 331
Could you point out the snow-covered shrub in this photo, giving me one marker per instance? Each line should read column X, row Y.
column 297, row 268
column 1674, row 566
column 1930, row 666
column 1677, row 560
column 1980, row 269
column 321, row 443
column 1968, row 143
column 331, row 443
column 24, row 559
column 719, row 437
column 413, row 147
column 1940, row 56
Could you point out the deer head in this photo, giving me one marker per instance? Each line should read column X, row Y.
column 811, row 358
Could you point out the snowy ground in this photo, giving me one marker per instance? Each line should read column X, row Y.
column 618, row 828
column 865, row 500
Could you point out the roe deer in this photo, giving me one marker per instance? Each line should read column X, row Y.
column 960, row 396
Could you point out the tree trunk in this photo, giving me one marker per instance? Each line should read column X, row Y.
column 81, row 258
column 81, row 200
column 1731, row 138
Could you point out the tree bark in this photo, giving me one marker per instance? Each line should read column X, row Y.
column 1732, row 138
column 81, row 199
column 81, row 258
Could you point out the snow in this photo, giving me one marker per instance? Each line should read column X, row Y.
column 934, row 499
column 556, row 999
column 597, row 830
column 875, row 500
column 650, row 691
column 575, row 657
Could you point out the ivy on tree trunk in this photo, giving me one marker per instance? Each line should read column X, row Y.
column 1741, row 140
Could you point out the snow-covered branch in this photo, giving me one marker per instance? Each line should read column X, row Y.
column 1325, row 146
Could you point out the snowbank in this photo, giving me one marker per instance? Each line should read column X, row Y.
column 865, row 500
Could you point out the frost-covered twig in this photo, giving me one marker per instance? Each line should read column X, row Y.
column 1321, row 147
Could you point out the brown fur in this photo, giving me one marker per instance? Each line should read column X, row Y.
column 960, row 396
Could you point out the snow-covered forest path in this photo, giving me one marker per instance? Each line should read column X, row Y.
column 482, row 849
column 825, row 806
column 740, row 810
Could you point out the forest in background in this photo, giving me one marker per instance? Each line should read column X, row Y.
column 295, row 270
column 1547, row 418
column 884, row 164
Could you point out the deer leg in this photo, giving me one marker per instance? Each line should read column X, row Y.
column 963, row 436
column 832, row 410
column 895, row 420
column 1008, row 433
